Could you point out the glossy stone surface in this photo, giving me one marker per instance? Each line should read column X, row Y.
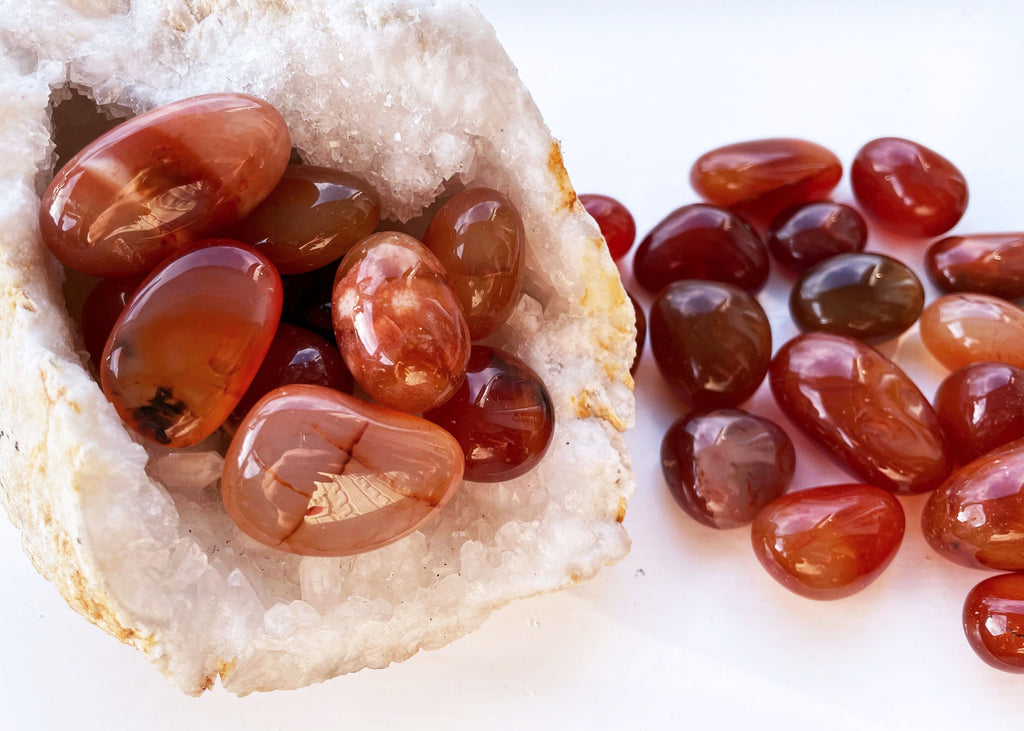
column 478, row 237
column 801, row 237
column 829, row 542
column 317, row 472
column 296, row 355
column 967, row 328
column 501, row 415
column 188, row 344
column 723, row 466
column 712, row 342
column 399, row 324
column 862, row 410
column 981, row 407
column 641, row 331
column 871, row 297
column 976, row 518
column 987, row 263
column 701, row 242
column 104, row 304
column 766, row 176
column 156, row 183
column 993, row 620
column 615, row 221
column 908, row 188
column 311, row 218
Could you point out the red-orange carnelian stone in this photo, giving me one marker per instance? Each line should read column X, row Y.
column 967, row 328
column 908, row 188
column 976, row 518
column 478, row 237
column 994, row 621
column 764, row 177
column 981, row 407
column 615, row 221
column 829, row 542
column 988, row 263
column 158, row 182
column 317, row 472
column 862, row 409
column 399, row 323
column 190, row 341
column 313, row 216
column 104, row 304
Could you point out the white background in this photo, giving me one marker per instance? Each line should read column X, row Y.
column 687, row 631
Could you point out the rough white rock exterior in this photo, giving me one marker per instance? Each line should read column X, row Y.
column 417, row 98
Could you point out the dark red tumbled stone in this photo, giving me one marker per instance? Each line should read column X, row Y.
column 104, row 304
column 981, row 407
column 701, row 242
column 987, row 263
column 993, row 620
column 801, row 237
column 615, row 221
column 641, row 331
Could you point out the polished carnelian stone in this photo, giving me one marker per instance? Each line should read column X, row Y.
column 987, row 263
column 296, row 355
column 994, row 621
column 317, row 472
column 908, row 188
column 723, row 466
column 501, row 415
column 615, row 221
column 802, row 236
column 871, row 297
column 829, row 542
column 701, row 242
column 862, row 410
column 158, row 182
column 764, row 177
column 312, row 217
column 976, row 518
column 981, row 407
column 478, row 237
column 188, row 344
column 712, row 342
column 399, row 323
column 967, row 328
column 104, row 304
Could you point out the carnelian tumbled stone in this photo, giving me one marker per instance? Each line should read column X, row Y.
column 993, row 620
column 701, row 242
column 711, row 341
column 829, row 542
column 191, row 339
column 988, row 263
column 764, row 177
column 501, row 415
column 967, row 328
column 862, row 410
column 908, row 188
column 399, row 323
column 976, row 518
column 615, row 221
column 802, row 236
column 723, row 466
column 317, row 472
column 871, row 297
column 104, row 304
column 311, row 218
column 158, row 182
column 479, row 238
column 981, row 407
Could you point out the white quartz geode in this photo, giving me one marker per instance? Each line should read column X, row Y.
column 417, row 98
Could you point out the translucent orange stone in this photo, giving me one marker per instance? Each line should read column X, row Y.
column 479, row 238
column 994, row 621
column 158, row 182
column 399, row 323
column 976, row 518
column 188, row 344
column 317, row 472
column 968, row 328
column 829, row 542
column 311, row 218
column 764, row 177
column 862, row 410
column 988, row 263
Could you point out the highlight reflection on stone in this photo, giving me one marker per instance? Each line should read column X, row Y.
column 317, row 472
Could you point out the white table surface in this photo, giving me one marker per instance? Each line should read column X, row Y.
column 687, row 631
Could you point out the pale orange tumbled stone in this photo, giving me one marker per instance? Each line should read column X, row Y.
column 967, row 328
column 317, row 472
